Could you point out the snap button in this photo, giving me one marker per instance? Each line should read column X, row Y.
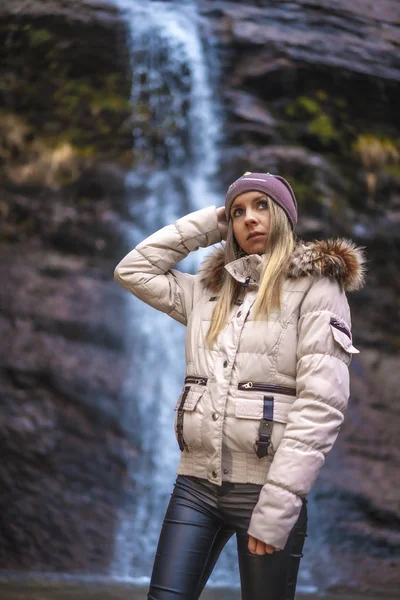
column 215, row 416
column 226, row 471
column 226, row 363
column 239, row 313
column 214, row 474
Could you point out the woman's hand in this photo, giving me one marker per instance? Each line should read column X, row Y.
column 258, row 547
column 222, row 222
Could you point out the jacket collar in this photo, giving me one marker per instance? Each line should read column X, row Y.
column 339, row 259
column 247, row 268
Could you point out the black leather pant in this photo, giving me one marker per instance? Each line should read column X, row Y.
column 200, row 519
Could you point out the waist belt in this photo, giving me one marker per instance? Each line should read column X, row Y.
column 266, row 424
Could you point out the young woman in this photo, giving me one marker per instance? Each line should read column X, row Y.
column 268, row 346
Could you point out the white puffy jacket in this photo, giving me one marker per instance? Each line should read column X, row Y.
column 299, row 358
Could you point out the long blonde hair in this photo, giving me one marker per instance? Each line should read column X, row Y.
column 278, row 248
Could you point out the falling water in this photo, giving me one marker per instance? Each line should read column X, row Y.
column 171, row 79
column 170, row 74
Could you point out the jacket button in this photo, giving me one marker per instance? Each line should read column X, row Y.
column 239, row 313
column 226, row 363
column 226, row 471
column 214, row 474
column 215, row 416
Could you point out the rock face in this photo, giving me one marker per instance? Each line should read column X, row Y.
column 305, row 73
column 64, row 450
column 303, row 83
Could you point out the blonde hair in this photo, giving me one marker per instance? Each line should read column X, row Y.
column 278, row 248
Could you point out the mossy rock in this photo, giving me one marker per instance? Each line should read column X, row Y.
column 303, row 107
column 326, row 121
column 322, row 128
column 314, row 119
column 66, row 85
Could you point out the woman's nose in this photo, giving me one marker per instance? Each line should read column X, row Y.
column 250, row 217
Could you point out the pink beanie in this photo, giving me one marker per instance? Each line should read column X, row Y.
column 274, row 186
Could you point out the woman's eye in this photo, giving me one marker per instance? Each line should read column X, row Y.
column 263, row 204
column 237, row 212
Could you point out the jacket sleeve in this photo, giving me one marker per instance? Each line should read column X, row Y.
column 324, row 351
column 146, row 271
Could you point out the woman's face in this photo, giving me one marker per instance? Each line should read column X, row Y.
column 251, row 221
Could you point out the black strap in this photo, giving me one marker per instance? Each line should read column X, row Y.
column 265, row 431
column 179, row 420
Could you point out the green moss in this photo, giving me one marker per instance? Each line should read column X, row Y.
column 309, row 105
column 37, row 37
column 319, row 122
column 322, row 96
column 301, row 107
column 322, row 127
column 86, row 151
column 110, row 102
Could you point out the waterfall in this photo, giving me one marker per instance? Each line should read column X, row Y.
column 171, row 78
column 170, row 73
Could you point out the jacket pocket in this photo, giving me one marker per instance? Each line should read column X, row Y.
column 342, row 335
column 249, row 414
column 192, row 416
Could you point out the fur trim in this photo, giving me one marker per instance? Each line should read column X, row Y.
column 338, row 259
column 212, row 269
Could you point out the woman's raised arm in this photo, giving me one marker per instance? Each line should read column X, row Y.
column 147, row 271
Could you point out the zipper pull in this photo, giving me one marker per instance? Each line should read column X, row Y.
column 246, row 283
column 249, row 384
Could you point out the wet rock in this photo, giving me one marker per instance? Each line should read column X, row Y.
column 337, row 34
column 252, row 116
column 62, row 339
column 88, row 11
column 324, row 74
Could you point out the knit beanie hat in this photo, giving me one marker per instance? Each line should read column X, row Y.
column 274, row 186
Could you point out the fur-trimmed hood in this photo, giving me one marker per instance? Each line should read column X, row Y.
column 339, row 259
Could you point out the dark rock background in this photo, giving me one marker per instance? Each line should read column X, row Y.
column 64, row 148
column 301, row 83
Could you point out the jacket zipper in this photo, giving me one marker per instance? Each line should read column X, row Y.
column 267, row 387
column 196, row 380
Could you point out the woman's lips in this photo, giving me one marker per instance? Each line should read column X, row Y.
column 254, row 236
